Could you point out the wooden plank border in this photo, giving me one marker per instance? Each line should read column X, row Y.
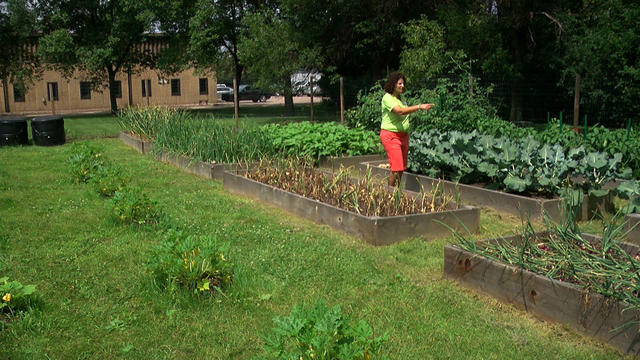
column 372, row 229
column 592, row 314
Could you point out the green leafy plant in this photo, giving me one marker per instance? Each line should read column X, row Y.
column 323, row 139
column 15, row 297
column 522, row 166
column 84, row 161
column 132, row 205
column 108, row 180
column 630, row 190
column 319, row 332
column 184, row 261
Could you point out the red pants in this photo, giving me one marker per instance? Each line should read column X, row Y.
column 396, row 144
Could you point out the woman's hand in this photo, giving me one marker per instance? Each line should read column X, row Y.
column 425, row 106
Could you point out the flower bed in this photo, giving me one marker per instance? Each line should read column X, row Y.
column 374, row 229
column 611, row 320
column 498, row 200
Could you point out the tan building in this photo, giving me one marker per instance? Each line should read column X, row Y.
column 52, row 93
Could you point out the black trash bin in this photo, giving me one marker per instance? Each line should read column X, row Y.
column 48, row 130
column 13, row 130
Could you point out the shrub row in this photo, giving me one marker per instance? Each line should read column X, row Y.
column 129, row 204
column 515, row 166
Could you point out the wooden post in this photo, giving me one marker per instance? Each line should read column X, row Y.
column 341, row 100
column 235, row 101
column 311, row 108
column 129, row 87
column 576, row 102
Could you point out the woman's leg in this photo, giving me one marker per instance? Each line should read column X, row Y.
column 396, row 147
column 395, row 177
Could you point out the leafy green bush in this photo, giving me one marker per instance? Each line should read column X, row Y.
column 15, row 297
column 108, row 180
column 453, row 110
column 191, row 262
column 132, row 205
column 210, row 141
column 84, row 160
column 367, row 114
column 145, row 121
column 305, row 139
column 320, row 332
column 519, row 166
column 630, row 190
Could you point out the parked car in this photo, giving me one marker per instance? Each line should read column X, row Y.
column 222, row 90
column 247, row 92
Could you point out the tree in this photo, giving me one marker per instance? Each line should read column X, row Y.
column 358, row 39
column 273, row 52
column 18, row 64
column 600, row 45
column 215, row 29
column 100, row 38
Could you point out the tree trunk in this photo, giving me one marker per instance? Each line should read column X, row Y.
column 288, row 97
column 112, row 96
column 5, row 90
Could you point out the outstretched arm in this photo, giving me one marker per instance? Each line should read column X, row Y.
column 410, row 109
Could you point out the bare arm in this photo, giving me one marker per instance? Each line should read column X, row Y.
column 410, row 109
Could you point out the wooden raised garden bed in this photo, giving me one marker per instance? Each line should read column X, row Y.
column 498, row 200
column 590, row 313
column 199, row 168
column 373, row 229
column 141, row 145
column 632, row 223
column 334, row 162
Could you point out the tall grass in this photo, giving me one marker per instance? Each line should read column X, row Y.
column 146, row 121
column 210, row 141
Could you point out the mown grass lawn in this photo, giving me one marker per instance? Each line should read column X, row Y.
column 98, row 300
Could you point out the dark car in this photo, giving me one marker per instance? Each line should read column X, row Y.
column 247, row 92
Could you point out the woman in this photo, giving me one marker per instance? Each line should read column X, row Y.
column 395, row 125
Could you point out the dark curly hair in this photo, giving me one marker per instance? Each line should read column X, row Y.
column 392, row 80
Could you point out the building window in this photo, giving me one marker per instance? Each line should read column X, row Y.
column 85, row 90
column 146, row 88
column 52, row 91
column 204, row 86
column 18, row 92
column 175, row 87
column 116, row 88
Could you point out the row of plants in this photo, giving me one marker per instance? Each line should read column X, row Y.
column 562, row 252
column 317, row 140
column 184, row 261
column 129, row 204
column 365, row 196
column 523, row 166
column 455, row 112
column 207, row 140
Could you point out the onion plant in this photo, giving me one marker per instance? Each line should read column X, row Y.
column 563, row 253
column 364, row 196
